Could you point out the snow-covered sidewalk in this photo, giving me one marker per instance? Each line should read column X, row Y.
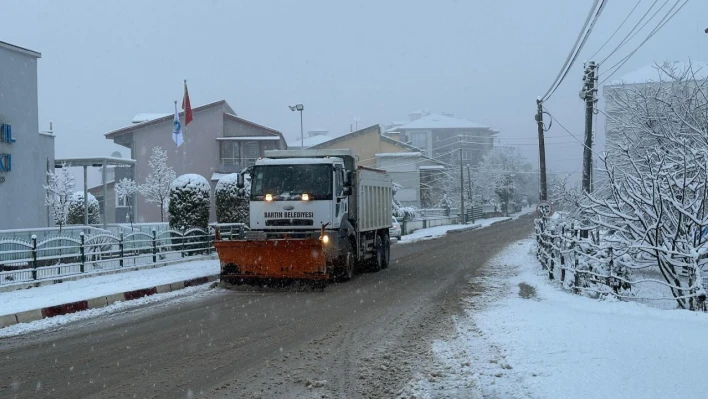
column 432, row 233
column 92, row 287
column 523, row 337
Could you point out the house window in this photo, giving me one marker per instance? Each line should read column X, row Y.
column 230, row 156
column 419, row 140
column 466, row 155
column 251, row 152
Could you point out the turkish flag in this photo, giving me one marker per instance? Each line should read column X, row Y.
column 186, row 106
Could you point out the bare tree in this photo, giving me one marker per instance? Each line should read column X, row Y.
column 653, row 202
column 156, row 188
column 126, row 188
column 59, row 189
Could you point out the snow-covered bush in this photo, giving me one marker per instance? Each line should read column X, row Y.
column 408, row 212
column 189, row 202
column 76, row 209
column 232, row 202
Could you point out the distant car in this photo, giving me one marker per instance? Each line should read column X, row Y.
column 395, row 230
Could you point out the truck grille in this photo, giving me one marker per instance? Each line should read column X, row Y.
column 289, row 222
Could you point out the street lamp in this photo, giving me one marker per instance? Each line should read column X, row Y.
column 299, row 107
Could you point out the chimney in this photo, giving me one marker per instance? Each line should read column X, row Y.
column 449, row 114
column 415, row 115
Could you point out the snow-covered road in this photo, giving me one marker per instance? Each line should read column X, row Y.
column 525, row 338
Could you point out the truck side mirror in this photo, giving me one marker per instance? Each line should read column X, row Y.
column 348, row 180
column 240, row 183
column 347, row 190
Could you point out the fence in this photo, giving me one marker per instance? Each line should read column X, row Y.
column 59, row 256
column 409, row 226
column 590, row 265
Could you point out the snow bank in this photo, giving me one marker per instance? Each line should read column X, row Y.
column 553, row 344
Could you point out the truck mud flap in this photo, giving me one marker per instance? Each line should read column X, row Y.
column 296, row 259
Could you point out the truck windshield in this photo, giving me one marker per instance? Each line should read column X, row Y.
column 286, row 182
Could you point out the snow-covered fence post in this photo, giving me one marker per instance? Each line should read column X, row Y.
column 34, row 256
column 553, row 259
column 82, row 250
column 182, row 241
column 120, row 247
column 154, row 245
column 610, row 270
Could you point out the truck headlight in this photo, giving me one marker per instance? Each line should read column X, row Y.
column 269, row 197
column 325, row 239
column 306, row 197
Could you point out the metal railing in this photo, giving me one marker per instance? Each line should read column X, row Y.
column 66, row 255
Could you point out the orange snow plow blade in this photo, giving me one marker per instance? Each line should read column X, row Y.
column 295, row 259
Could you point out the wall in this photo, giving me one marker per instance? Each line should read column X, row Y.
column 22, row 194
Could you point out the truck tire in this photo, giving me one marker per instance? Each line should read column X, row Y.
column 386, row 251
column 347, row 266
column 344, row 267
column 377, row 259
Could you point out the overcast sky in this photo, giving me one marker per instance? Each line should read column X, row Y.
column 487, row 61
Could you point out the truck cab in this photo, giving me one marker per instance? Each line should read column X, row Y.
column 297, row 195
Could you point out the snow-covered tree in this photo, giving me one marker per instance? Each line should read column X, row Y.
column 126, row 188
column 231, row 201
column 653, row 202
column 59, row 188
column 501, row 174
column 189, row 202
column 76, row 209
column 156, row 188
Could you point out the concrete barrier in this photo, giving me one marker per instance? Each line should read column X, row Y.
column 97, row 302
column 161, row 289
column 111, row 299
column 30, row 315
column 8, row 320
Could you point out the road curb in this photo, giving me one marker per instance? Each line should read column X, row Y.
column 99, row 302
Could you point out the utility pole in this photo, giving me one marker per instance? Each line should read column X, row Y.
column 462, row 187
column 541, row 149
column 469, row 187
column 589, row 95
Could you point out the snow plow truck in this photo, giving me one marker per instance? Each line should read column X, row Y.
column 315, row 216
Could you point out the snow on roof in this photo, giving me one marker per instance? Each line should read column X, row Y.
column 311, row 141
column 440, row 121
column 431, row 167
column 654, row 72
column 398, row 154
column 146, row 116
column 251, row 138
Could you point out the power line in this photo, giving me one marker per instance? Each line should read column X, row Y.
column 626, row 38
column 577, row 47
column 616, row 30
column 662, row 22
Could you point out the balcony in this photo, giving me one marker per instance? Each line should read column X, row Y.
column 235, row 165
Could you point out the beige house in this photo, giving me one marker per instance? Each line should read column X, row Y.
column 406, row 164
